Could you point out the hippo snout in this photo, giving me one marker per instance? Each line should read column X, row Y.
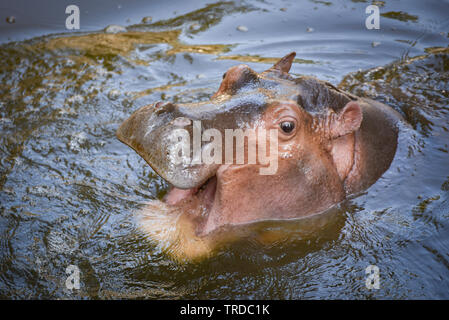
column 161, row 135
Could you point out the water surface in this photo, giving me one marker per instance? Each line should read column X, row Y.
column 69, row 189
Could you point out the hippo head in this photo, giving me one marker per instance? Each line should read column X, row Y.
column 296, row 138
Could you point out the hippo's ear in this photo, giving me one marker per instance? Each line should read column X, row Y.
column 346, row 121
column 285, row 63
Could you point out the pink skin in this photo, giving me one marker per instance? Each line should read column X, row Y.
column 318, row 156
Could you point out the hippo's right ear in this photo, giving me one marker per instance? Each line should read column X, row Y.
column 346, row 121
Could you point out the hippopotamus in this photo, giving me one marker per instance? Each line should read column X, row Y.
column 320, row 145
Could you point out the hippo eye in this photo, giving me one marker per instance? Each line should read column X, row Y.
column 287, row 126
column 224, row 75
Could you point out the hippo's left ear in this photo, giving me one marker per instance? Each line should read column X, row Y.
column 346, row 121
column 285, row 63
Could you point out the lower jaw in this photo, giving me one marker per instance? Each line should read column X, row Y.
column 205, row 194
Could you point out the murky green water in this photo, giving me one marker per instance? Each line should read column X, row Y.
column 69, row 189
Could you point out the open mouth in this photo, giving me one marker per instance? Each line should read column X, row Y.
column 204, row 193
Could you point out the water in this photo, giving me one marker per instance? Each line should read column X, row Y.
column 69, row 189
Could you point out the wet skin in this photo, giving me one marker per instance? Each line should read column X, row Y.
column 331, row 144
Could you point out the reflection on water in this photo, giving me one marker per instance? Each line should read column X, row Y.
column 69, row 190
column 399, row 15
column 174, row 233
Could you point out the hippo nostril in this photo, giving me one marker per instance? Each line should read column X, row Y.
column 163, row 107
column 158, row 104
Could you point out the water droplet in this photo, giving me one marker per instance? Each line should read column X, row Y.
column 114, row 28
column 195, row 27
column 11, row 19
column 182, row 122
column 75, row 99
column 375, row 44
column 242, row 28
column 310, row 29
column 77, row 140
column 147, row 20
column 113, row 94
